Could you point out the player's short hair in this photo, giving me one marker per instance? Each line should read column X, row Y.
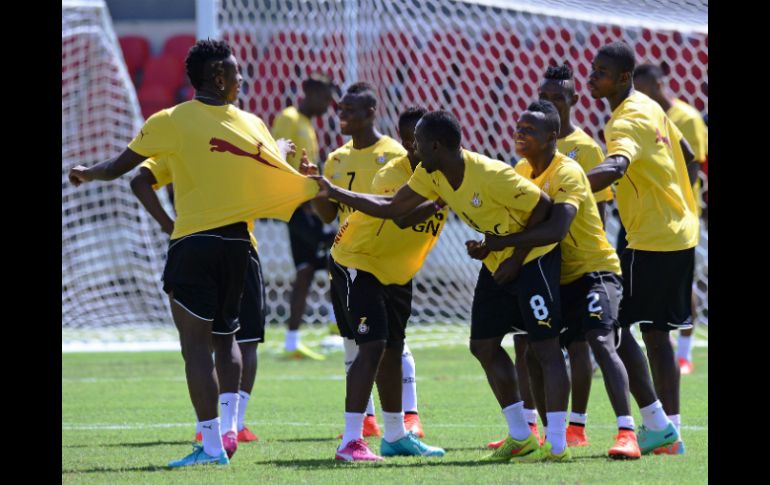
column 365, row 91
column 561, row 73
column 410, row 115
column 552, row 120
column 200, row 54
column 620, row 54
column 443, row 127
column 649, row 71
column 316, row 81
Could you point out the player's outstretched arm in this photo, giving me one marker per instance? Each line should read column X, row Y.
column 141, row 186
column 423, row 212
column 401, row 204
column 108, row 170
column 607, row 172
column 550, row 231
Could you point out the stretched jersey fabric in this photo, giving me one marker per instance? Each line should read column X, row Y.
column 585, row 248
column 655, row 199
column 354, row 169
column 585, row 151
column 295, row 126
column 378, row 246
column 492, row 199
column 162, row 172
column 226, row 166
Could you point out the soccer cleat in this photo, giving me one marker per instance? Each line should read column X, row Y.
column 199, row 437
column 650, row 439
column 245, row 435
column 545, row 453
column 412, row 423
column 512, row 448
column 675, row 448
column 302, row 352
column 686, row 367
column 230, row 443
column 371, row 428
column 626, row 447
column 200, row 457
column 356, row 450
column 532, row 427
column 576, row 435
column 409, row 445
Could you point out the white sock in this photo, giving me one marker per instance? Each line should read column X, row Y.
column 556, row 431
column 292, row 340
column 228, row 409
column 626, row 422
column 530, row 415
column 409, row 387
column 242, row 403
column 212, row 438
column 517, row 425
column 684, row 348
column 394, row 426
column 653, row 416
column 370, row 406
column 354, row 427
column 677, row 420
column 577, row 418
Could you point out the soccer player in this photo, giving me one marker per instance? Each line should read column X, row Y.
column 648, row 156
column 309, row 238
column 648, row 79
column 153, row 174
column 227, row 170
column 591, row 287
column 492, row 198
column 373, row 263
column 353, row 166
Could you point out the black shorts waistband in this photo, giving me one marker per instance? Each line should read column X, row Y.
column 237, row 230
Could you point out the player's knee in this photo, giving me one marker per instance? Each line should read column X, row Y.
column 484, row 350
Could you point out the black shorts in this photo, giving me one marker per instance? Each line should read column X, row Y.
column 310, row 242
column 530, row 304
column 206, row 270
column 252, row 316
column 366, row 310
column 657, row 289
column 590, row 303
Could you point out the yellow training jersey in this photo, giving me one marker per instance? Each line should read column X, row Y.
column 379, row 246
column 585, row 248
column 492, row 199
column 354, row 169
column 295, row 126
column 226, row 167
column 585, row 151
column 655, row 199
column 162, row 172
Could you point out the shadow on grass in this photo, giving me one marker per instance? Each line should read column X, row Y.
column 302, row 440
column 129, row 445
column 117, row 469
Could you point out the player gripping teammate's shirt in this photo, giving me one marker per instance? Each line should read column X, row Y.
column 210, row 148
column 492, row 199
column 585, row 249
column 295, row 126
column 354, row 169
column 655, row 199
column 379, row 246
column 585, row 151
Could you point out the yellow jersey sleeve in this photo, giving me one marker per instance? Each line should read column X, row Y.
column 510, row 189
column 158, row 136
column 567, row 187
column 694, row 131
column 624, row 139
column 160, row 170
column 422, row 183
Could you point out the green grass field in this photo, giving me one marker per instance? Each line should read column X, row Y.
column 125, row 415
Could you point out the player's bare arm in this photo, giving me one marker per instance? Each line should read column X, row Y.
column 141, row 186
column 107, row 170
column 401, row 204
column 607, row 172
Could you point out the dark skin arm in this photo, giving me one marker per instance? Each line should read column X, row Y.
column 553, row 230
column 401, row 204
column 689, row 159
column 141, row 186
column 602, row 207
column 509, row 269
column 607, row 172
column 108, row 170
column 423, row 212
